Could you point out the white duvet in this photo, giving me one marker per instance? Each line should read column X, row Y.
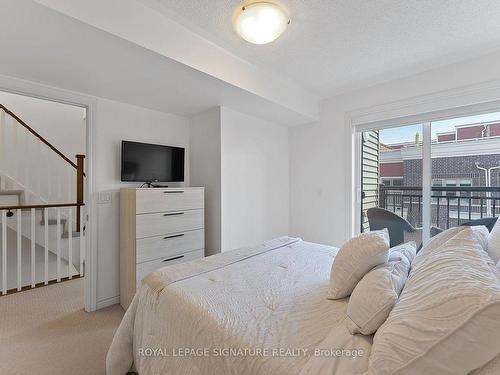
column 260, row 310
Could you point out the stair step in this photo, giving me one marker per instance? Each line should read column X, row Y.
column 53, row 221
column 66, row 234
column 11, row 192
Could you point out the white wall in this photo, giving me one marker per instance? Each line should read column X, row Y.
column 243, row 163
column 318, row 152
column 61, row 124
column 205, row 170
column 317, row 180
column 114, row 122
column 254, row 180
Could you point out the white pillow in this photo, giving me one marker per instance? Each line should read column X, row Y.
column 494, row 242
column 355, row 258
column 435, row 242
column 482, row 235
column 447, row 318
column 376, row 294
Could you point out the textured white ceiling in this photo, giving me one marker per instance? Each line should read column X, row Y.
column 100, row 64
column 334, row 46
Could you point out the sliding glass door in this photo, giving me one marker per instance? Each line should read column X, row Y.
column 421, row 179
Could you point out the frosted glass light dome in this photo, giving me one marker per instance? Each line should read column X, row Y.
column 261, row 22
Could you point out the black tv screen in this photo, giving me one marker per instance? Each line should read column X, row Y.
column 143, row 162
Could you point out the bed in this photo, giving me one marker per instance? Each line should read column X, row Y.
column 256, row 310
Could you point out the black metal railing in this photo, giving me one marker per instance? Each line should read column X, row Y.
column 450, row 205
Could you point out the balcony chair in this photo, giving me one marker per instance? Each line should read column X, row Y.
column 400, row 230
column 488, row 222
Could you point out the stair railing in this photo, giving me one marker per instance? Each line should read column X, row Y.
column 41, row 271
column 48, row 188
column 45, row 179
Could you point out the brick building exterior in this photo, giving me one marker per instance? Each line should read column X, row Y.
column 453, row 168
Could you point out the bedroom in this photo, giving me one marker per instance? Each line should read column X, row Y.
column 270, row 131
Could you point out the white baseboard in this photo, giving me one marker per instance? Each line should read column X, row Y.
column 101, row 304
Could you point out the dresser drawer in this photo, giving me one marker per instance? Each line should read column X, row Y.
column 164, row 223
column 159, row 200
column 146, row 267
column 166, row 246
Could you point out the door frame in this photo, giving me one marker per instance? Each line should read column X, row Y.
column 458, row 102
column 40, row 91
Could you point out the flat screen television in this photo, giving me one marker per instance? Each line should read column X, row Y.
column 144, row 162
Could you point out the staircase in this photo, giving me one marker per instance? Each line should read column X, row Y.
column 41, row 216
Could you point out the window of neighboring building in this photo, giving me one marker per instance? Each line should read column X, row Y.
column 439, row 182
column 467, row 182
column 393, row 181
column 451, row 183
column 397, row 182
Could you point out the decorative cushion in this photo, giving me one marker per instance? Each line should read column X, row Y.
column 494, row 242
column 355, row 258
column 447, row 318
column 376, row 294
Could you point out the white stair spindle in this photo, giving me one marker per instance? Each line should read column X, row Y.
column 26, row 166
column 58, row 238
column 82, row 242
column 59, row 181
column 5, row 147
column 33, row 260
column 48, row 175
column 4, row 252
column 19, row 250
column 46, row 244
column 15, row 149
column 39, row 165
column 70, row 242
column 2, row 146
column 69, row 176
column 15, row 152
column 10, row 125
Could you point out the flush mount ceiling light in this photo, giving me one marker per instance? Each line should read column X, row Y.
column 260, row 22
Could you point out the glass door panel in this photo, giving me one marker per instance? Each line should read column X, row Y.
column 465, row 155
column 391, row 181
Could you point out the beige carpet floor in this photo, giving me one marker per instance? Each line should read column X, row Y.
column 46, row 331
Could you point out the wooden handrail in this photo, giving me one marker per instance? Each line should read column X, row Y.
column 27, row 206
column 12, row 114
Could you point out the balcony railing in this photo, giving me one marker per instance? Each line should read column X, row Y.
column 450, row 206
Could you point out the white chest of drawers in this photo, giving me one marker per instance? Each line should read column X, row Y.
column 158, row 227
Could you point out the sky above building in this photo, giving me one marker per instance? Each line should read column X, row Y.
column 407, row 133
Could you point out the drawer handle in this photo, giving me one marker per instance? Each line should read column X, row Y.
column 174, row 214
column 174, row 192
column 173, row 236
column 174, row 258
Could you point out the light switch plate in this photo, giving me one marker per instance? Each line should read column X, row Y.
column 105, row 197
